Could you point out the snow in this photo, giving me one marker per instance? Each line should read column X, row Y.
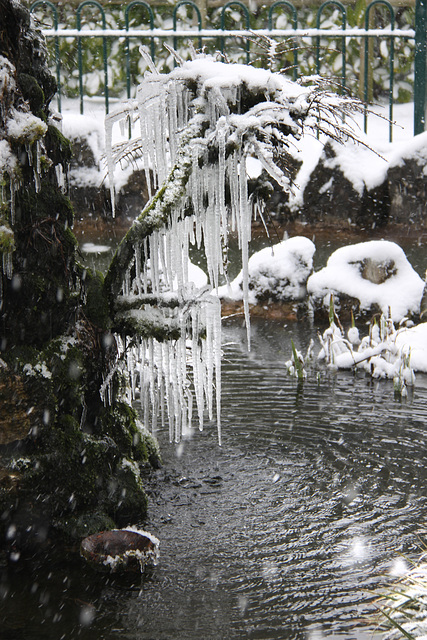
column 8, row 161
column 150, row 556
column 177, row 379
column 359, row 164
column 413, row 342
column 91, row 247
column 278, row 272
column 343, row 274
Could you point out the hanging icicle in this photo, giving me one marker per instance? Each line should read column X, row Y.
column 198, row 125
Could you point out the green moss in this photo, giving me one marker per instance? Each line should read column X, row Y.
column 32, row 92
column 147, row 324
column 96, row 308
column 7, row 239
column 58, row 146
column 130, row 501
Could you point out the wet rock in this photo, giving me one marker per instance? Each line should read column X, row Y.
column 133, row 195
column 375, row 271
column 89, row 191
column 15, row 408
column 423, row 304
column 407, row 181
column 275, row 274
column 367, row 278
column 329, row 195
column 326, row 187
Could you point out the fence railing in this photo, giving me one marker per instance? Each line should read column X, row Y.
column 373, row 60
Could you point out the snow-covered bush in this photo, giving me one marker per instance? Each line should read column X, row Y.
column 376, row 274
column 386, row 352
column 278, row 273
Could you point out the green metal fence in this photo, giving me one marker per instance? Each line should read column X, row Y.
column 364, row 44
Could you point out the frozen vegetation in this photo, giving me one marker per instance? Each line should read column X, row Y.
column 375, row 274
column 195, row 129
column 403, row 608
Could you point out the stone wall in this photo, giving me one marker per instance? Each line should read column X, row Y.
column 328, row 196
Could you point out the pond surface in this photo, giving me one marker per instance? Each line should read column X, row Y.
column 284, row 532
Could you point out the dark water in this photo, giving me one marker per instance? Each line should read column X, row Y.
column 284, row 532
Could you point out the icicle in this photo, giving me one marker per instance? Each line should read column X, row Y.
column 154, row 263
column 60, row 177
column 8, row 265
column 109, row 122
column 197, row 371
column 137, row 281
column 208, row 358
column 163, row 261
column 145, row 279
column 217, row 360
column 234, row 194
column 173, row 120
column 245, row 217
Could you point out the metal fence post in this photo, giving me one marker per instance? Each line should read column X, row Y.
column 96, row 4
column 291, row 9
column 245, row 11
column 420, row 67
column 52, row 7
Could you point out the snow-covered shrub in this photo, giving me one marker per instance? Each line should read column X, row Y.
column 377, row 274
column 386, row 352
column 278, row 273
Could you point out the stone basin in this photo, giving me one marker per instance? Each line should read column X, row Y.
column 120, row 550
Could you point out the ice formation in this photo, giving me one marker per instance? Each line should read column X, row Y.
column 198, row 125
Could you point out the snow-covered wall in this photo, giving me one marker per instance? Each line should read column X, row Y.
column 370, row 185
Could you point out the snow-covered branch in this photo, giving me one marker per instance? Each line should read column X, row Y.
column 197, row 127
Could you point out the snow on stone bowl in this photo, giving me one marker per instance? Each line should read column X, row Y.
column 278, row 273
column 119, row 550
column 370, row 277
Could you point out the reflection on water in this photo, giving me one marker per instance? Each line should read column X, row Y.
column 283, row 533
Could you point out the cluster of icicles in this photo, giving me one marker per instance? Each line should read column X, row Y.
column 174, row 379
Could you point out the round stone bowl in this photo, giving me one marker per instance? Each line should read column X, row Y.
column 120, row 550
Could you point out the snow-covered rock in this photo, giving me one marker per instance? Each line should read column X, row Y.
column 413, row 342
column 278, row 273
column 377, row 274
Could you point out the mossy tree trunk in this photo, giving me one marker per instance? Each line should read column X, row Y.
column 69, row 464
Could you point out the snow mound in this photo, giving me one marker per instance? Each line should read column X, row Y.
column 276, row 273
column 413, row 342
column 91, row 130
column 376, row 273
